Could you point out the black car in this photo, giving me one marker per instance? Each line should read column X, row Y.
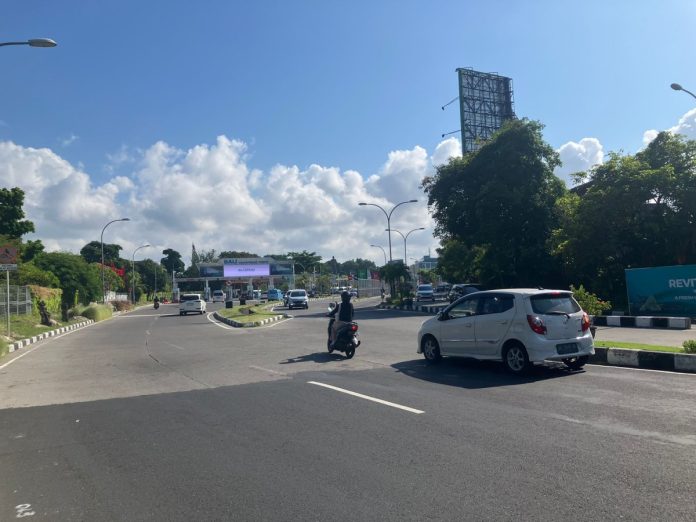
column 458, row 291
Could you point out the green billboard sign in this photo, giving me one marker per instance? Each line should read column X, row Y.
column 662, row 290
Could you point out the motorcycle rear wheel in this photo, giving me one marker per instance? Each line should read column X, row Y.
column 350, row 352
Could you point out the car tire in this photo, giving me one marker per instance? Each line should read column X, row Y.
column 515, row 359
column 576, row 363
column 431, row 349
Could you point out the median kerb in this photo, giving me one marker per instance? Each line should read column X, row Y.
column 45, row 335
column 251, row 324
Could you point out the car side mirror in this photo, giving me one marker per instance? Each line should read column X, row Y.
column 442, row 316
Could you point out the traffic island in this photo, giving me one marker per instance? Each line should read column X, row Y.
column 249, row 324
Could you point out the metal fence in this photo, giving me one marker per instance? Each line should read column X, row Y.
column 20, row 300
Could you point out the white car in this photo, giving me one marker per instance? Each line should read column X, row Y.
column 425, row 292
column 218, row 296
column 519, row 326
column 191, row 303
column 298, row 299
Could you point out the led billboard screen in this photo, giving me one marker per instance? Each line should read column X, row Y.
column 249, row 269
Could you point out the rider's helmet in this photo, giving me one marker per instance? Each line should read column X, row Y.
column 345, row 296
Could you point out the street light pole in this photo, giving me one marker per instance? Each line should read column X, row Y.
column 405, row 238
column 34, row 42
column 101, row 240
column 678, row 87
column 382, row 249
column 133, row 264
column 389, row 217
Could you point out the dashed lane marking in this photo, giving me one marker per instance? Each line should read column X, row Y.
column 367, row 397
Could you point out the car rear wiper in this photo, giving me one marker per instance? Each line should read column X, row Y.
column 558, row 312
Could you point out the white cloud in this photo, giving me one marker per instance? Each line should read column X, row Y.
column 648, row 136
column 579, row 156
column 210, row 196
column 450, row 148
column 66, row 142
column 686, row 125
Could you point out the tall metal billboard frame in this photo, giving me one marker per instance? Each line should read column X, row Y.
column 485, row 103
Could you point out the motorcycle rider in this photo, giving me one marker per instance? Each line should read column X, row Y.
column 156, row 301
column 345, row 313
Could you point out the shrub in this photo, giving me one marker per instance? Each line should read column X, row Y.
column 689, row 346
column 77, row 310
column 121, row 306
column 50, row 296
column 97, row 312
column 589, row 302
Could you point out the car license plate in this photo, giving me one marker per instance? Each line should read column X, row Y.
column 567, row 348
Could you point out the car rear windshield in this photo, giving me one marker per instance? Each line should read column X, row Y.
column 298, row 293
column 554, row 303
column 426, row 288
column 190, row 297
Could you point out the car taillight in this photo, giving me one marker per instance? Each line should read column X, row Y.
column 585, row 322
column 536, row 324
column 354, row 327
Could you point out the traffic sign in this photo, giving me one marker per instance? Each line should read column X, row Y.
column 7, row 267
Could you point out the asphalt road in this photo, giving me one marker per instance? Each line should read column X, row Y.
column 153, row 416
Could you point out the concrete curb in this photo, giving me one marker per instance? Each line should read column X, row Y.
column 642, row 321
column 12, row 347
column 666, row 361
column 250, row 324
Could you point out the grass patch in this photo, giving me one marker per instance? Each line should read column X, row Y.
column 24, row 326
column 639, row 346
column 261, row 311
column 4, row 349
column 97, row 312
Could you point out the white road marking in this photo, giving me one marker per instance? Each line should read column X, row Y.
column 41, row 344
column 24, row 510
column 367, row 397
column 175, row 345
column 267, row 370
column 217, row 323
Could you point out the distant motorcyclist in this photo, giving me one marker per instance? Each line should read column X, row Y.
column 157, row 302
column 345, row 313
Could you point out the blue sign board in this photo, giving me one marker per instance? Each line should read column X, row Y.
column 663, row 290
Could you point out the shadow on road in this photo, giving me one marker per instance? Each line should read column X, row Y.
column 472, row 374
column 319, row 357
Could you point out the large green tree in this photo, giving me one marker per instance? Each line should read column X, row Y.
column 92, row 252
column 457, row 262
column 172, row 262
column 634, row 211
column 501, row 201
column 12, row 222
column 79, row 280
column 152, row 276
column 305, row 259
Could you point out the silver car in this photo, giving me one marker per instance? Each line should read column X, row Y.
column 518, row 326
column 298, row 299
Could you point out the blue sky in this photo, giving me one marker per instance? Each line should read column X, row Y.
column 332, row 84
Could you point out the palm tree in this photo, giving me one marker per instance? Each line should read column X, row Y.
column 396, row 273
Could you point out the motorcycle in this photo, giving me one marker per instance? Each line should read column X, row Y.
column 156, row 305
column 347, row 339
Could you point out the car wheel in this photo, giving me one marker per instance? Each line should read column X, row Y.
column 576, row 363
column 515, row 359
column 431, row 349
